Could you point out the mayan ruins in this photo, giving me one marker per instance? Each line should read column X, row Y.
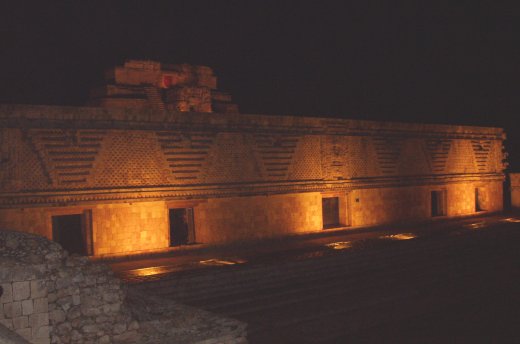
column 160, row 160
column 49, row 296
column 131, row 177
column 150, row 84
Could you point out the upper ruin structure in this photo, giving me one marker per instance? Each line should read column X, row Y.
column 150, row 84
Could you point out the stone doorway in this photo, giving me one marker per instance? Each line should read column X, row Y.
column 479, row 200
column 182, row 228
column 69, row 232
column 330, row 212
column 438, row 203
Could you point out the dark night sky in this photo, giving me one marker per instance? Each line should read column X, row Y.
column 381, row 60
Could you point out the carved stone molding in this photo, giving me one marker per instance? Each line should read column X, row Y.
column 16, row 200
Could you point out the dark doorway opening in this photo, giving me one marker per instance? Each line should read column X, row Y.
column 182, row 229
column 68, row 231
column 438, row 203
column 478, row 200
column 330, row 212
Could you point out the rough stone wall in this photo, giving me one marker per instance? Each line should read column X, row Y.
column 49, row 297
column 24, row 303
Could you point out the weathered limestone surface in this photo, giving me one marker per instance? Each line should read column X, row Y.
column 166, row 321
column 51, row 297
column 9, row 337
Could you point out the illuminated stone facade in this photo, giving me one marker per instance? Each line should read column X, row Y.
column 130, row 175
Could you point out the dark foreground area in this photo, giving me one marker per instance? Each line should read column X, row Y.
column 456, row 283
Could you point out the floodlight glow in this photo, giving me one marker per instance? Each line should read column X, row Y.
column 155, row 270
column 221, row 262
column 511, row 219
column 476, row 225
column 340, row 245
column 400, row 236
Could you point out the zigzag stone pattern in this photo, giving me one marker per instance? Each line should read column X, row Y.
column 68, row 154
column 276, row 153
column 388, row 150
column 186, row 153
column 481, row 149
column 439, row 150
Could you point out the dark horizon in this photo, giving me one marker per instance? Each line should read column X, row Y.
column 450, row 64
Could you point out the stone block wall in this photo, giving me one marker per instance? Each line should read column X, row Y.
column 30, row 220
column 140, row 226
column 387, row 205
column 132, row 227
column 242, row 218
column 49, row 297
column 24, row 302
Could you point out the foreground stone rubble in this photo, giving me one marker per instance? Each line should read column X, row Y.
column 48, row 296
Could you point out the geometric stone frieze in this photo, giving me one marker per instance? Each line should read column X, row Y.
column 232, row 160
column 481, row 149
column 438, row 150
column 275, row 153
column 388, row 150
column 414, row 159
column 68, row 155
column 186, row 154
column 334, row 154
column 307, row 163
column 461, row 158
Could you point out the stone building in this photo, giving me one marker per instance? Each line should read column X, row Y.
column 116, row 180
column 150, row 84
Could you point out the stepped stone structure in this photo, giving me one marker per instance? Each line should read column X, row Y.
column 112, row 180
column 150, row 84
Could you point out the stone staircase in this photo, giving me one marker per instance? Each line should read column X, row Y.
column 155, row 98
column 343, row 296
